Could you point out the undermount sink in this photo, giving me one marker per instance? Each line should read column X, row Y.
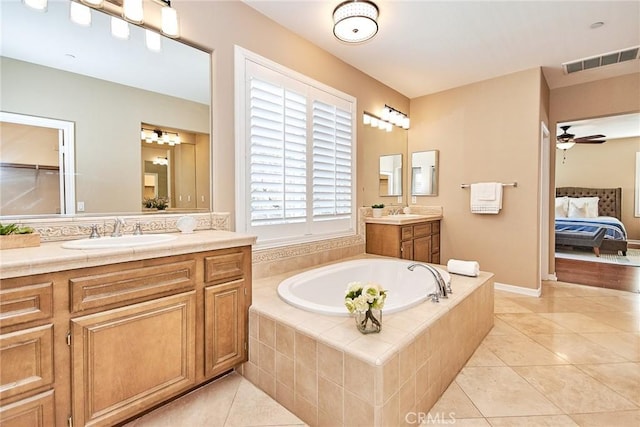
column 128, row 241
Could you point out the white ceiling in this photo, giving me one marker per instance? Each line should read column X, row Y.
column 425, row 46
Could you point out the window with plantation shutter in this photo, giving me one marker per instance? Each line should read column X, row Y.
column 296, row 151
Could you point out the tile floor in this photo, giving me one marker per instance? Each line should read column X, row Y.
column 569, row 358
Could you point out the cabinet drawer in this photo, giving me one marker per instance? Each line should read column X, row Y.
column 26, row 303
column 26, row 360
column 34, row 411
column 122, row 287
column 223, row 267
column 406, row 233
column 421, row 230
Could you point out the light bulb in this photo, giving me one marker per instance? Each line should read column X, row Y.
column 132, row 11
column 170, row 22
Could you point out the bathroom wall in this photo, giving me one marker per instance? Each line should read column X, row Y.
column 487, row 131
column 608, row 165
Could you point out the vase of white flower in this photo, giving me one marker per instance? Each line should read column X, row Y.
column 370, row 321
column 366, row 301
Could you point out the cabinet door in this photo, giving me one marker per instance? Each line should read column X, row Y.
column 406, row 249
column 34, row 411
column 422, row 249
column 224, row 328
column 132, row 357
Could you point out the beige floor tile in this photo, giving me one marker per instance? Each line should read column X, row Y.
column 457, row 422
column 502, row 328
column 520, row 350
column 625, row 321
column 532, row 324
column 540, row 421
column 623, row 344
column 508, row 305
column 576, row 349
column 483, row 356
column 621, row 377
column 454, row 401
column 208, row 405
column 608, row 419
column 617, row 303
column 253, row 407
column 578, row 322
column 573, row 390
column 501, row 392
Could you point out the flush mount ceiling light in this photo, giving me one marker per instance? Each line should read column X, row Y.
column 355, row 21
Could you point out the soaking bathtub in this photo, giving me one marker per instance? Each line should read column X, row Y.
column 322, row 289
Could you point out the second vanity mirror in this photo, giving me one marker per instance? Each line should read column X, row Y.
column 390, row 175
column 109, row 89
column 424, row 173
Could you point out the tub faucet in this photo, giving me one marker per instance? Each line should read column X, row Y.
column 117, row 227
column 442, row 289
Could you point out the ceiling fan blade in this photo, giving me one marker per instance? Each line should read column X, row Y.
column 589, row 141
column 590, row 137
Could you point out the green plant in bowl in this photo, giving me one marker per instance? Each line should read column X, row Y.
column 8, row 229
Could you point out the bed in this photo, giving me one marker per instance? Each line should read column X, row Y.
column 608, row 216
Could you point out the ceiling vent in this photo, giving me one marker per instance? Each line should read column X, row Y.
column 601, row 60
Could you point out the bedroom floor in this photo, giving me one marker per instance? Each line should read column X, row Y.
column 569, row 358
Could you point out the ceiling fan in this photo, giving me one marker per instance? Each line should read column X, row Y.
column 568, row 139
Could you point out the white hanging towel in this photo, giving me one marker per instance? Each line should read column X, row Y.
column 486, row 197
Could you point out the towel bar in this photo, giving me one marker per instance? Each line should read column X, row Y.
column 510, row 184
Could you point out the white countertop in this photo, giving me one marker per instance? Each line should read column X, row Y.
column 401, row 219
column 51, row 256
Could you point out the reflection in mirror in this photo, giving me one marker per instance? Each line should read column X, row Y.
column 36, row 166
column 424, row 173
column 390, row 175
column 54, row 68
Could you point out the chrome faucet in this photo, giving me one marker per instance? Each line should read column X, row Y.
column 396, row 211
column 442, row 290
column 117, row 227
column 94, row 232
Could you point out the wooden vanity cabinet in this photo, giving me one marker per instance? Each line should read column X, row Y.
column 128, row 336
column 418, row 241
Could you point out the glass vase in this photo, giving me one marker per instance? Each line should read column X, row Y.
column 370, row 321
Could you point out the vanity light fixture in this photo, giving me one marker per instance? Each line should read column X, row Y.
column 170, row 20
column 355, row 21
column 160, row 137
column 388, row 118
column 97, row 4
column 163, row 161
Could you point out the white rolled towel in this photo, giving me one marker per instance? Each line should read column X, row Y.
column 465, row 268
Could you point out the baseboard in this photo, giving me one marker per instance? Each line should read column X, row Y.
column 551, row 277
column 518, row 289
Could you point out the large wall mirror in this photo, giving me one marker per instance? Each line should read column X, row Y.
column 424, row 173
column 383, row 174
column 113, row 91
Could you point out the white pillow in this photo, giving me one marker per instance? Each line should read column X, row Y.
column 583, row 207
column 562, row 207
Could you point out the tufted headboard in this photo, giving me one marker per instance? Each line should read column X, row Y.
column 610, row 203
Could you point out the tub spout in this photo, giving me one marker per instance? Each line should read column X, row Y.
column 442, row 289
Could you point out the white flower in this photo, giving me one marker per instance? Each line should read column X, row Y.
column 361, row 303
column 372, row 292
column 348, row 302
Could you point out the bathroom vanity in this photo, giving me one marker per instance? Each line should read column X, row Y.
column 96, row 337
column 413, row 237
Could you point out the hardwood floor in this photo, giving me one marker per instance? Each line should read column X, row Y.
column 612, row 276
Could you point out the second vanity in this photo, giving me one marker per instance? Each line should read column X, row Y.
column 407, row 236
column 95, row 337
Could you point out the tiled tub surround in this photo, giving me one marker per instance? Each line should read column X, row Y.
column 327, row 373
column 78, row 227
